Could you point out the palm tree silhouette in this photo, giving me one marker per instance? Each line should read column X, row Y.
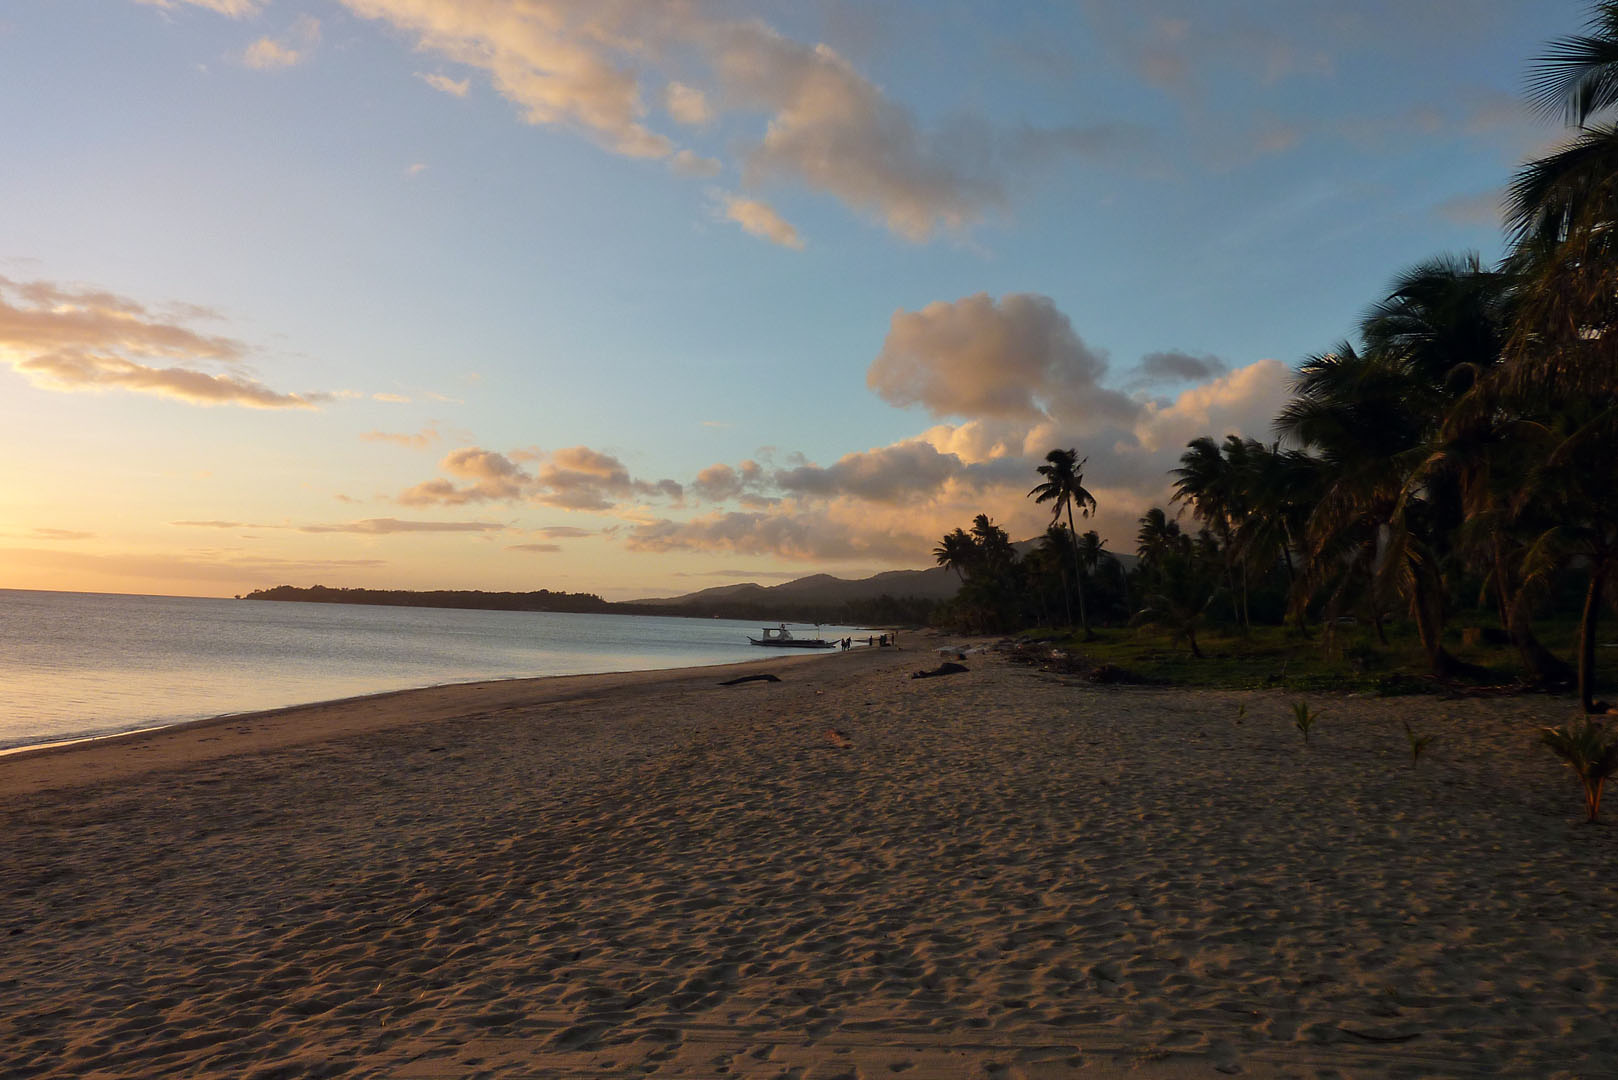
column 1064, row 485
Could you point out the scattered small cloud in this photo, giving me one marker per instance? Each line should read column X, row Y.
column 388, row 526
column 536, row 548
column 271, row 54
column 687, row 105
column 61, row 534
column 760, row 219
column 1174, row 366
column 418, row 441
column 573, row 478
column 235, row 9
column 689, row 163
column 444, row 84
column 415, row 169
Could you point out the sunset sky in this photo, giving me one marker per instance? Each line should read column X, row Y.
column 638, row 298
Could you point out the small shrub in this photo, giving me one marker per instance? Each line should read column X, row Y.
column 1418, row 743
column 1241, row 711
column 1303, row 718
column 1590, row 752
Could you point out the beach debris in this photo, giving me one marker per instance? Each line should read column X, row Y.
column 946, row 668
column 750, row 678
column 838, row 739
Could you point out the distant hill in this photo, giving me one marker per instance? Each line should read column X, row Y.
column 822, row 590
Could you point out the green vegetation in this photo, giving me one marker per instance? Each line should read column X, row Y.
column 1455, row 462
column 1303, row 718
column 1418, row 743
column 1590, row 752
column 882, row 611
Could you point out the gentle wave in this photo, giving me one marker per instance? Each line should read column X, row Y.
column 77, row 665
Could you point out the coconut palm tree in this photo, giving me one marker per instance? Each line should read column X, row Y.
column 1064, row 485
column 957, row 551
column 1591, row 753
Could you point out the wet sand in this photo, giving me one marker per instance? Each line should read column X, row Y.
column 999, row 873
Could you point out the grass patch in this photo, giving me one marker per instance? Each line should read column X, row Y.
column 1273, row 657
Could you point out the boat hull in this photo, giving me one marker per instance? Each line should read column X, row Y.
column 796, row 643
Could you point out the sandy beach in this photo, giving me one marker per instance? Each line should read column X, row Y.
column 846, row 873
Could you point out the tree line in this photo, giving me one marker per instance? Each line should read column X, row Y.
column 1464, row 446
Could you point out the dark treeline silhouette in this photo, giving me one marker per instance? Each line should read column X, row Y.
column 1462, row 450
column 877, row 611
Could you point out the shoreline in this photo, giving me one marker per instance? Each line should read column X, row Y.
column 185, row 742
column 844, row 873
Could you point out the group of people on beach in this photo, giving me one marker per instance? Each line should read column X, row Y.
column 880, row 641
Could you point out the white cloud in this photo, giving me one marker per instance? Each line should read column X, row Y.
column 1014, row 358
column 66, row 338
column 760, row 219
column 826, row 126
column 270, row 54
column 235, row 9
column 553, row 60
column 573, row 478
column 687, row 105
column 443, row 83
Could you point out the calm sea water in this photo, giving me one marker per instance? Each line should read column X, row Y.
column 74, row 665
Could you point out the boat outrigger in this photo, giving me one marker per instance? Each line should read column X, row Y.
column 781, row 637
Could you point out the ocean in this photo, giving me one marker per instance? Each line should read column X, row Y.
column 79, row 665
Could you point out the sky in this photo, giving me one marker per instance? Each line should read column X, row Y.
column 639, row 298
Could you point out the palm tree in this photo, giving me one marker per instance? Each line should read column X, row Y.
column 957, row 551
column 1591, row 753
column 1064, row 485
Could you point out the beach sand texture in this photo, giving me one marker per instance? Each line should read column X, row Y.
column 1004, row 874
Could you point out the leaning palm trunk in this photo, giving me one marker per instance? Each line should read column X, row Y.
column 1587, row 641
column 1546, row 668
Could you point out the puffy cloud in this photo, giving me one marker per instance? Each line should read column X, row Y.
column 760, row 219
column 573, row 478
column 717, row 483
column 444, row 84
column 419, row 441
column 1245, row 401
column 836, row 131
column 578, row 478
column 549, row 58
column 1175, row 366
column 687, row 105
column 74, row 339
column 1016, row 358
column 903, row 473
column 827, row 126
column 270, row 54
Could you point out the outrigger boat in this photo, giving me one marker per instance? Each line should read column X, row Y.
column 781, row 637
